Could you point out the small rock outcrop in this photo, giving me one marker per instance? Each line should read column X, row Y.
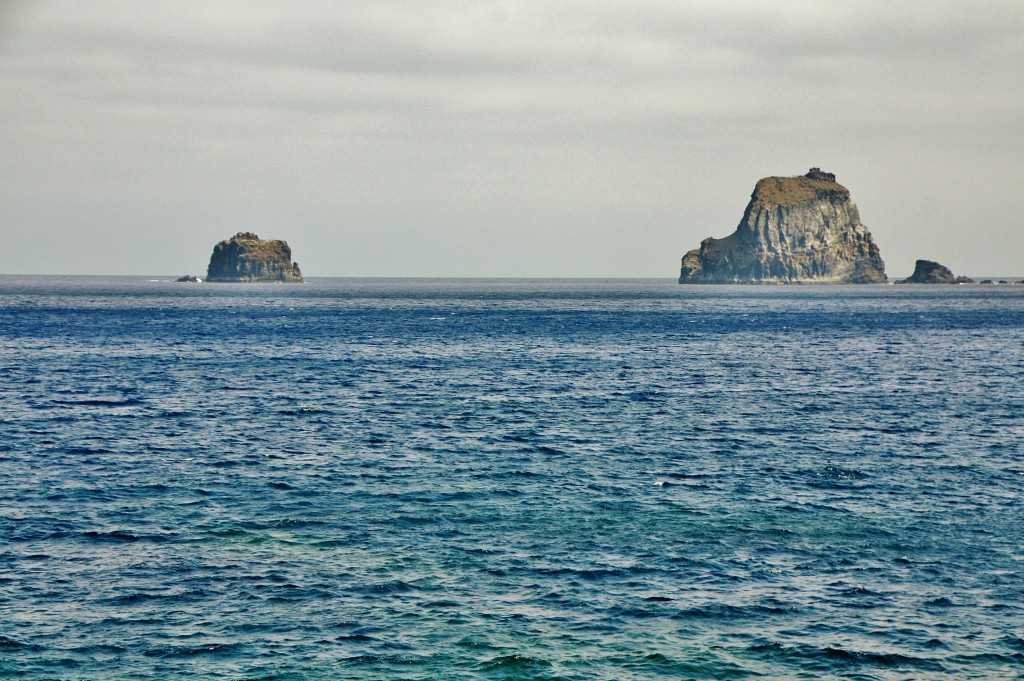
column 930, row 272
column 247, row 258
column 795, row 230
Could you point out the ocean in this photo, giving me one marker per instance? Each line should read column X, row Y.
column 510, row 479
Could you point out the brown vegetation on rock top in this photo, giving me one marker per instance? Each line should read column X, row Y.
column 780, row 191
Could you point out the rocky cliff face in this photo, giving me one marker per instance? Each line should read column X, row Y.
column 245, row 258
column 795, row 230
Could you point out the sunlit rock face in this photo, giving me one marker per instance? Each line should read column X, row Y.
column 247, row 258
column 795, row 230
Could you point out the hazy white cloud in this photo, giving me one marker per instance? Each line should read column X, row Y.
column 504, row 138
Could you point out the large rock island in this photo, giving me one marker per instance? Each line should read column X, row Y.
column 246, row 258
column 795, row 230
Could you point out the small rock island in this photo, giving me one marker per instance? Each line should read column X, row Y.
column 247, row 258
column 931, row 272
column 795, row 230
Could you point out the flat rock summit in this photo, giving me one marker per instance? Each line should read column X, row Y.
column 247, row 258
column 795, row 230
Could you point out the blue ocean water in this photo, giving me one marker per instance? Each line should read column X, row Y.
column 522, row 479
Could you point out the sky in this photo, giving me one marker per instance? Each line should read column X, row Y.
column 499, row 138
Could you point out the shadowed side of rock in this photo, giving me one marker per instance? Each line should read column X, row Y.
column 794, row 230
column 247, row 258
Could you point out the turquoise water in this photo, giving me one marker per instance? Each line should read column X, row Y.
column 521, row 479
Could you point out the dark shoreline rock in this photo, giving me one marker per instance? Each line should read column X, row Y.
column 931, row 272
column 247, row 258
column 795, row 230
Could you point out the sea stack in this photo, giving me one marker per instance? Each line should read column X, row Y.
column 931, row 272
column 795, row 230
column 247, row 258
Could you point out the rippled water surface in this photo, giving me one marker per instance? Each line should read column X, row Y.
column 524, row 479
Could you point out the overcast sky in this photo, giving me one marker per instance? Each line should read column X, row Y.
column 505, row 138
